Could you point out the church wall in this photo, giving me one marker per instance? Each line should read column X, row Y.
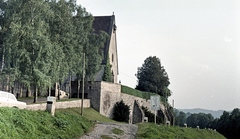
column 113, row 56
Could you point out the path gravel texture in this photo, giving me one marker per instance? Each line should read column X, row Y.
column 100, row 129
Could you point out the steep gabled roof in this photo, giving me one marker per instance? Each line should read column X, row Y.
column 106, row 24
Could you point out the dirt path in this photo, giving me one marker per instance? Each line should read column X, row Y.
column 105, row 129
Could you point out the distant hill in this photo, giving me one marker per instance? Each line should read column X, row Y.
column 215, row 114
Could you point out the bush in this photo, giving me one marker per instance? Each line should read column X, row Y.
column 151, row 116
column 121, row 112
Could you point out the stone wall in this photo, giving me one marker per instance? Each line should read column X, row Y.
column 110, row 94
column 129, row 100
column 105, row 95
column 93, row 90
column 137, row 114
column 60, row 105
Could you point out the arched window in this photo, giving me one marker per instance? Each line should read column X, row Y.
column 112, row 57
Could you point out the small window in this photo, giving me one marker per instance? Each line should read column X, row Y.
column 89, row 87
column 112, row 57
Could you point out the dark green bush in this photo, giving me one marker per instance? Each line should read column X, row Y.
column 151, row 116
column 121, row 112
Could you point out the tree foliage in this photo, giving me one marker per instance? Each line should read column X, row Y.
column 121, row 112
column 107, row 76
column 152, row 77
column 180, row 118
column 42, row 41
column 228, row 124
column 201, row 119
column 151, row 116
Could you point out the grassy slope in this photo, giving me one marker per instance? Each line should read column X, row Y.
column 152, row 131
column 134, row 92
column 19, row 124
column 68, row 124
column 88, row 113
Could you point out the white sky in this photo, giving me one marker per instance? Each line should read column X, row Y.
column 198, row 42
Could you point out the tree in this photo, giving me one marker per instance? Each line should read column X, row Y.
column 28, row 47
column 107, row 76
column 228, row 124
column 201, row 119
column 121, row 112
column 63, row 32
column 152, row 77
column 43, row 41
column 180, row 118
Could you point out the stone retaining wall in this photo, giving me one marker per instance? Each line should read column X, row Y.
column 129, row 100
column 60, row 105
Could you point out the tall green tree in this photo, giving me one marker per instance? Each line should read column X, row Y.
column 201, row 119
column 62, row 32
column 152, row 77
column 228, row 124
column 28, row 47
column 88, row 42
column 42, row 41
column 180, row 118
column 107, row 75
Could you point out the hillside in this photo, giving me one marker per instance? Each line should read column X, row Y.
column 68, row 123
column 215, row 114
column 152, row 131
column 24, row 124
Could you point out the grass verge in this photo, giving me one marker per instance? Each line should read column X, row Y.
column 117, row 131
column 134, row 92
column 152, row 131
column 88, row 113
column 66, row 124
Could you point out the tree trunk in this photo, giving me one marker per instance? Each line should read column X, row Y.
column 55, row 94
column 49, row 91
column 59, row 91
column 27, row 93
column 78, row 89
column 70, row 85
column 7, row 84
column 35, row 94
column 21, row 91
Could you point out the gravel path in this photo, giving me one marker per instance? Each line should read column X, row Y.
column 100, row 129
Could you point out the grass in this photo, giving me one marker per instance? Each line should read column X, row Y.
column 68, row 124
column 134, row 92
column 117, row 131
column 152, row 131
column 114, row 131
column 88, row 113
column 141, row 94
column 106, row 137
column 18, row 124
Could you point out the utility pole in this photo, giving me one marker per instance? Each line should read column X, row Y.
column 173, row 113
column 83, row 76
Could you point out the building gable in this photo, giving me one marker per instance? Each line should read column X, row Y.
column 107, row 24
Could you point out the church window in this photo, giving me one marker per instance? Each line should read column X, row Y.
column 112, row 57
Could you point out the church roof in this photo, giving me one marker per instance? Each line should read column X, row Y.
column 106, row 24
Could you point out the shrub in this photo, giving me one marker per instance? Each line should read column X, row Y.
column 151, row 116
column 121, row 112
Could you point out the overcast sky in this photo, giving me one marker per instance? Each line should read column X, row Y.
column 198, row 42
